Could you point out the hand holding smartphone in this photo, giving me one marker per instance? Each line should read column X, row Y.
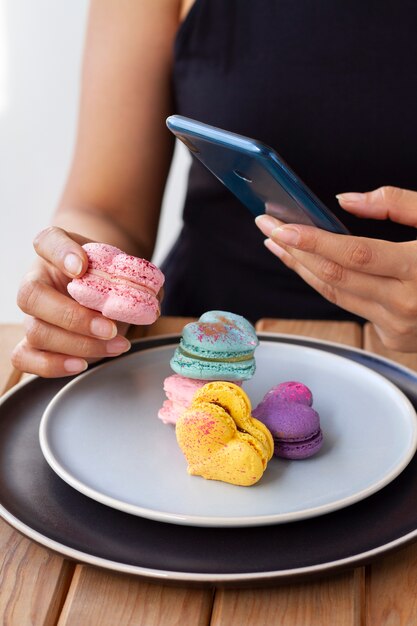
column 255, row 173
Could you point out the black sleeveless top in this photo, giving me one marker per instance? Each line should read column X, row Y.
column 332, row 87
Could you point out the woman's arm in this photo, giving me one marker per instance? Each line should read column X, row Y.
column 115, row 185
column 123, row 149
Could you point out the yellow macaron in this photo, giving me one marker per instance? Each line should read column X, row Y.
column 219, row 437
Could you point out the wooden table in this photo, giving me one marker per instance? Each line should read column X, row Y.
column 40, row 587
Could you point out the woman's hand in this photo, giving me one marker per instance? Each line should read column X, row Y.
column 372, row 278
column 61, row 335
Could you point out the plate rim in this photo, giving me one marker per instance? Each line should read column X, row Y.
column 183, row 576
column 177, row 576
column 221, row 521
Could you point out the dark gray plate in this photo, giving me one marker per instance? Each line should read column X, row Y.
column 38, row 503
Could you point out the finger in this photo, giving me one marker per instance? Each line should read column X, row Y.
column 46, row 364
column 394, row 319
column 40, row 300
column 46, row 337
column 368, row 309
column 267, row 223
column 391, row 303
column 399, row 205
column 372, row 256
column 368, row 286
column 55, row 246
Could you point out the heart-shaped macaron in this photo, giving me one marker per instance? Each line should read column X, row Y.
column 219, row 437
column 220, row 346
column 121, row 286
column 286, row 410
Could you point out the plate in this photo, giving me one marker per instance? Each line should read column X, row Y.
column 36, row 502
column 102, row 436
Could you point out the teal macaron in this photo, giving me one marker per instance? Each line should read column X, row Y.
column 220, row 346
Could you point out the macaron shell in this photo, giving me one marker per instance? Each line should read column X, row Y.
column 292, row 391
column 100, row 255
column 181, row 389
column 297, row 450
column 208, row 437
column 238, row 464
column 117, row 263
column 179, row 392
column 116, row 301
column 264, row 435
column 219, row 334
column 227, row 395
column 169, row 413
column 237, row 404
column 288, row 420
column 121, row 286
column 220, row 346
column 212, row 370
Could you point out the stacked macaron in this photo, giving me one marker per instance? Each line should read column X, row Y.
column 121, row 286
column 219, row 346
column 286, row 410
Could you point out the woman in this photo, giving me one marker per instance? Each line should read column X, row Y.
column 330, row 87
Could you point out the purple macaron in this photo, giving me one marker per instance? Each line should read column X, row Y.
column 295, row 426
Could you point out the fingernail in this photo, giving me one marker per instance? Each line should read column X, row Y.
column 266, row 224
column 117, row 345
column 73, row 264
column 72, row 366
column 351, row 197
column 274, row 247
column 105, row 329
column 286, row 234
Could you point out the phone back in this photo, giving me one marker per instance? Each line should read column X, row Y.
column 256, row 174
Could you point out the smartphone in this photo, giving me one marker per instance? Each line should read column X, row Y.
column 255, row 173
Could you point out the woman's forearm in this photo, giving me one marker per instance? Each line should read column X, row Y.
column 99, row 226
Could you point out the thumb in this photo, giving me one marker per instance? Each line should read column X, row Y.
column 398, row 205
column 62, row 250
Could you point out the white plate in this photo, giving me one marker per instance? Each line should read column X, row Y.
column 101, row 434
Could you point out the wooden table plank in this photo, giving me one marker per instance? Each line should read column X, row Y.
column 163, row 326
column 333, row 600
column 106, row 599
column 34, row 581
column 392, row 580
column 391, row 586
column 337, row 600
column 339, row 332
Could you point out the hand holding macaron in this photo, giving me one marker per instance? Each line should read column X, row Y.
column 62, row 335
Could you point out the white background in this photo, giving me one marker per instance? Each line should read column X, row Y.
column 41, row 44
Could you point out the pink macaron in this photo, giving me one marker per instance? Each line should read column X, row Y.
column 121, row 286
column 179, row 391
